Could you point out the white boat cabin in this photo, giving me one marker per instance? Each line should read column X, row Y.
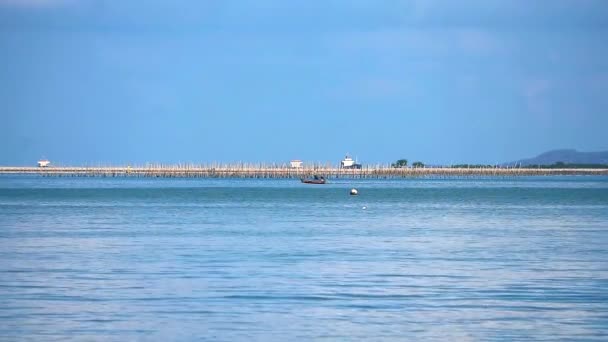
column 347, row 162
column 43, row 163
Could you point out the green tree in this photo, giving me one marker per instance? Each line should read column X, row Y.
column 418, row 164
column 399, row 163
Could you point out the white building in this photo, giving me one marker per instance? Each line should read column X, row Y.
column 296, row 163
column 43, row 163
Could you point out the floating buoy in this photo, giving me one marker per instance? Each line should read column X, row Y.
column 364, row 207
column 354, row 192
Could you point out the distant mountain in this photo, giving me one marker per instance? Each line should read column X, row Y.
column 565, row 156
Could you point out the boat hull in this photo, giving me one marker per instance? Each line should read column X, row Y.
column 313, row 181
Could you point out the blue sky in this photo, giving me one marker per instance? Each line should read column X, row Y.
column 196, row 81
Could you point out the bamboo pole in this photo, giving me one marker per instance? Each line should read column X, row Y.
column 273, row 171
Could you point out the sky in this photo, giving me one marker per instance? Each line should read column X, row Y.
column 481, row 81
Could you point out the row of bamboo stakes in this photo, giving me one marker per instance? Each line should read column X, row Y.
column 282, row 171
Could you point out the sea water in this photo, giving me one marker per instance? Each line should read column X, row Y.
column 273, row 260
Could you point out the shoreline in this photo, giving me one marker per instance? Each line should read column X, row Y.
column 286, row 172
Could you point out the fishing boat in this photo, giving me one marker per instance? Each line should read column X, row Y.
column 349, row 163
column 314, row 180
column 43, row 163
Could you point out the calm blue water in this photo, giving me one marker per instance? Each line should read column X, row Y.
column 182, row 259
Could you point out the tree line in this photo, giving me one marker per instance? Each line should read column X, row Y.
column 401, row 163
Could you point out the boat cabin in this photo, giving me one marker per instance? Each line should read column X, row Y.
column 43, row 163
column 349, row 163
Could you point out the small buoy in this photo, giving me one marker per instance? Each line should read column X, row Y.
column 364, row 207
column 354, row 192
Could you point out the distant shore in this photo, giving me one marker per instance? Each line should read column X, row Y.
column 242, row 171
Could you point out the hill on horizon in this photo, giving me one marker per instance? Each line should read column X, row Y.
column 568, row 156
